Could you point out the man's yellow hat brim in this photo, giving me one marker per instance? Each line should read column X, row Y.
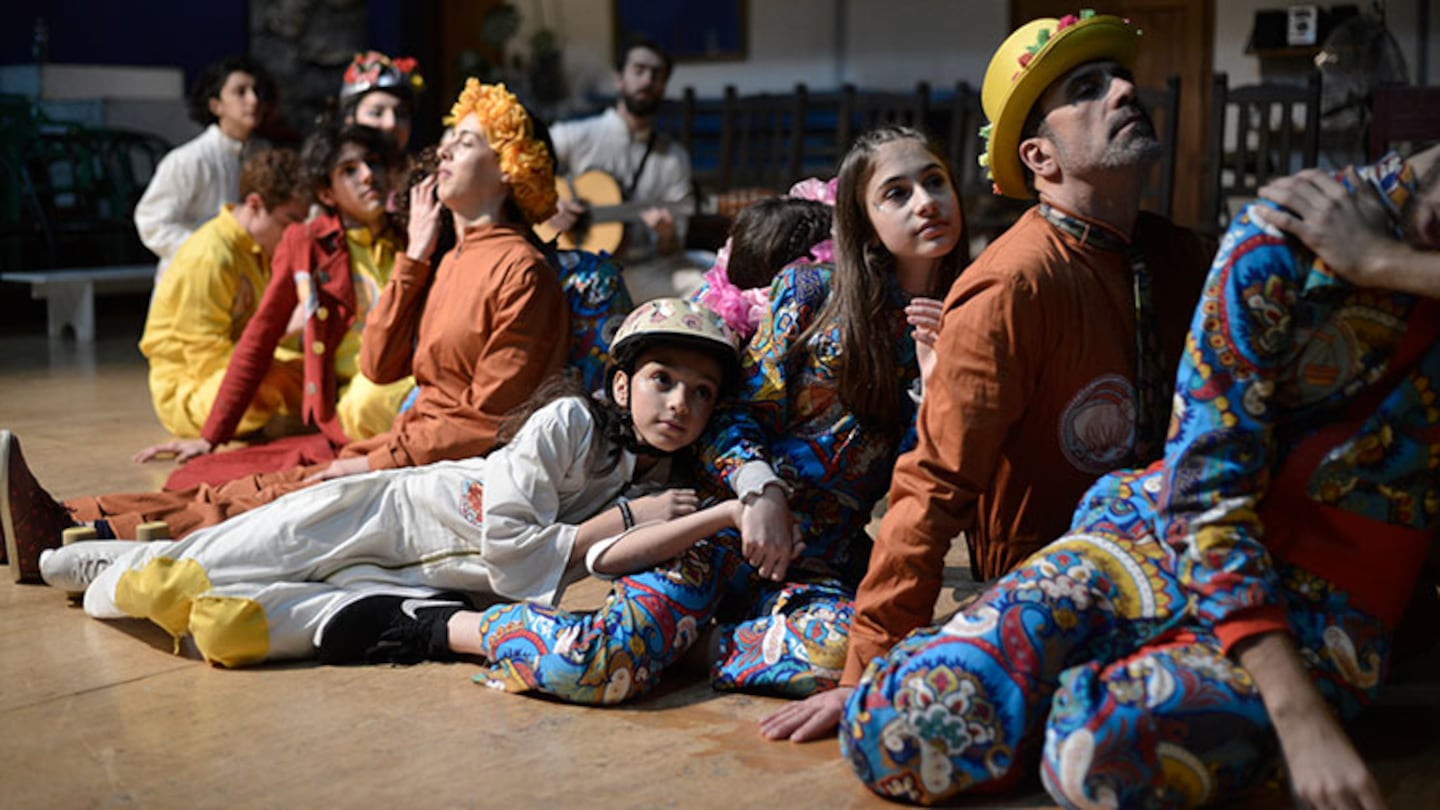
column 1011, row 90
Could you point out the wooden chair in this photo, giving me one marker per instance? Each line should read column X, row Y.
column 820, row 151
column 987, row 214
column 861, row 112
column 1164, row 107
column 70, row 190
column 962, row 140
column 1258, row 132
column 698, row 124
column 761, row 139
column 1403, row 114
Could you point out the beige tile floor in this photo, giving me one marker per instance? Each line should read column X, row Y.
column 99, row 714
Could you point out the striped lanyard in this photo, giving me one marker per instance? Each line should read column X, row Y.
column 1151, row 406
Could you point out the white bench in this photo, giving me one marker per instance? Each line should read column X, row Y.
column 70, row 293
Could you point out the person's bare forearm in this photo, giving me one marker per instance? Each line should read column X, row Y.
column 1325, row 769
column 653, row 543
column 1403, row 268
column 1280, row 676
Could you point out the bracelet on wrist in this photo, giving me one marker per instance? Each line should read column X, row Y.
column 626, row 515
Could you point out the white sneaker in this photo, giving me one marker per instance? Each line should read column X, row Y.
column 75, row 566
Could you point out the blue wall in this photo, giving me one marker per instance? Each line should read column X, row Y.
column 159, row 33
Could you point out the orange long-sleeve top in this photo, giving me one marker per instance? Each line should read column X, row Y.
column 479, row 338
column 1032, row 398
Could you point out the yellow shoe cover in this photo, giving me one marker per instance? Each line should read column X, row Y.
column 230, row 631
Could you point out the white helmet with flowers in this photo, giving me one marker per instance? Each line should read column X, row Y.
column 675, row 321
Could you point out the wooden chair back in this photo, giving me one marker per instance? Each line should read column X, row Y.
column 1163, row 104
column 1258, row 132
column 862, row 112
column 762, row 139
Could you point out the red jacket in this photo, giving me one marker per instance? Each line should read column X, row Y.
column 316, row 251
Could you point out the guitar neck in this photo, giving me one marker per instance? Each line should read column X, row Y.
column 630, row 211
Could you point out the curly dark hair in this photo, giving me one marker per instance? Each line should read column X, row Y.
column 213, row 79
column 772, row 233
column 322, row 149
column 421, row 166
column 275, row 175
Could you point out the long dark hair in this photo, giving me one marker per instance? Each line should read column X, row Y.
column 859, row 300
column 614, row 430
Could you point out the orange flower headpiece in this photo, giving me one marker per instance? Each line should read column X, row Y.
column 510, row 132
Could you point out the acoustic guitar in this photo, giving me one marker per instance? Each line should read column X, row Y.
column 602, row 226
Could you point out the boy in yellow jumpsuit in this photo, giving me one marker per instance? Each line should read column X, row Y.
column 209, row 293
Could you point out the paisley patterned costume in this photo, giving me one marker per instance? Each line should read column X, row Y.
column 781, row 638
column 1298, row 493
column 599, row 301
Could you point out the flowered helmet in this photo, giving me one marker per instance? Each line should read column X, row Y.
column 675, row 321
column 1027, row 62
column 373, row 70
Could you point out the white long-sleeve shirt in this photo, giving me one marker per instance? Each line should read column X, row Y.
column 189, row 186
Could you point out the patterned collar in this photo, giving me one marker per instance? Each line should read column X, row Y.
column 1094, row 234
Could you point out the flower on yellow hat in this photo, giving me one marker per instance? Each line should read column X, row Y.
column 1030, row 60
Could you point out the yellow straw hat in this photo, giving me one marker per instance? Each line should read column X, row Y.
column 1027, row 62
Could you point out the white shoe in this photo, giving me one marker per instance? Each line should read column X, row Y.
column 75, row 566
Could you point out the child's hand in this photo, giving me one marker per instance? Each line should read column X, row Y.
column 924, row 315
column 768, row 533
column 181, row 449
column 671, row 503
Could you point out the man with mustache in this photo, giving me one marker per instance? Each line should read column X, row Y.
column 1226, row 609
column 1056, row 345
column 1223, row 610
column 622, row 141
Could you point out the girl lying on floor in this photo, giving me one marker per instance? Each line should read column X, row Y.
column 522, row 523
